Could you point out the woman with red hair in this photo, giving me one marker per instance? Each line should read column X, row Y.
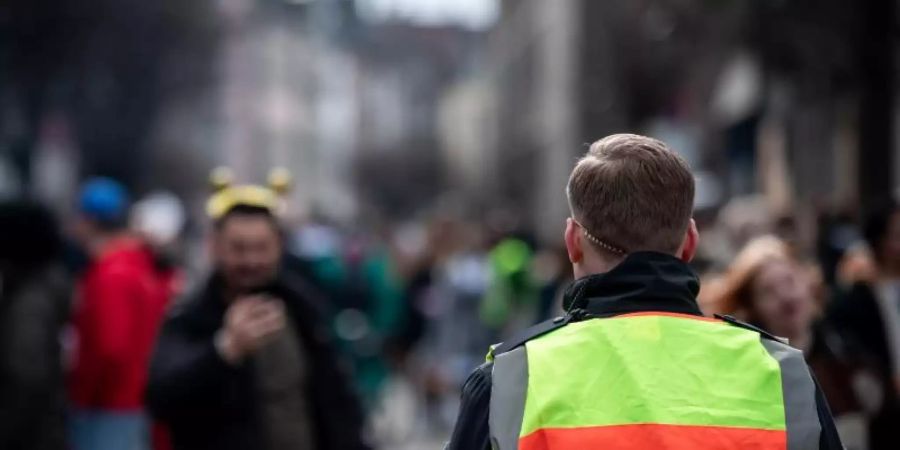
column 769, row 287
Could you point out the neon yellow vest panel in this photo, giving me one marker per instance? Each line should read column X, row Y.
column 653, row 381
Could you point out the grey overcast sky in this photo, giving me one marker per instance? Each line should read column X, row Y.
column 476, row 14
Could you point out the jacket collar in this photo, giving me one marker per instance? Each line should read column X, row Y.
column 643, row 282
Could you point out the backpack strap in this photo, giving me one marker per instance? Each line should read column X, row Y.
column 741, row 324
column 528, row 334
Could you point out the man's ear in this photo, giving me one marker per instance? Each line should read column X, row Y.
column 691, row 241
column 573, row 242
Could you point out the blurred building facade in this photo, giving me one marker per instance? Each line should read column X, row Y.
column 784, row 98
column 534, row 71
column 350, row 107
column 287, row 98
column 749, row 112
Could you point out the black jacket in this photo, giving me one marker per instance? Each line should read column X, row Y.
column 856, row 316
column 209, row 404
column 34, row 308
column 642, row 282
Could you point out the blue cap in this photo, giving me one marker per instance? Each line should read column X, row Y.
column 104, row 200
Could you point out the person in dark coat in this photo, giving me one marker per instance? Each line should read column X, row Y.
column 34, row 306
column 245, row 363
column 867, row 315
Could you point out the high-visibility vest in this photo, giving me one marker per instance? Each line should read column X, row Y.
column 653, row 381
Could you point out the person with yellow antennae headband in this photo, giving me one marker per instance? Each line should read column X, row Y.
column 245, row 363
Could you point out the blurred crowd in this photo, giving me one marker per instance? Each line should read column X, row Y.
column 311, row 334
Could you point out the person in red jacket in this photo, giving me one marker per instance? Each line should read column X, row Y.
column 119, row 305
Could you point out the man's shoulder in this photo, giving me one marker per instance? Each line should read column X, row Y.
column 302, row 294
column 472, row 431
column 120, row 267
column 482, row 373
column 528, row 334
column 197, row 309
column 477, row 387
column 749, row 327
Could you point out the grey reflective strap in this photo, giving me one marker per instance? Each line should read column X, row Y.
column 800, row 411
column 509, row 386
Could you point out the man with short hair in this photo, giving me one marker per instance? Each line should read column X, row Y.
column 120, row 304
column 634, row 364
column 245, row 363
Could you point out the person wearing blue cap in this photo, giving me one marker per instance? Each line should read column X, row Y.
column 104, row 202
column 121, row 301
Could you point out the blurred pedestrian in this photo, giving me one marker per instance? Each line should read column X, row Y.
column 456, row 332
column 868, row 315
column 34, row 306
column 245, row 362
column 769, row 287
column 120, row 304
column 511, row 300
column 159, row 219
column 634, row 364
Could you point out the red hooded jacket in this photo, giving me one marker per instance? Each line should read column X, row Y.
column 120, row 305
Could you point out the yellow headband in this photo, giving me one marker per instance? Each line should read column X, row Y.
column 228, row 197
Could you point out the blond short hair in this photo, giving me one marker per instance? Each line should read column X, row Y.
column 632, row 193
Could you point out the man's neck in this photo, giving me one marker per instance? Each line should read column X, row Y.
column 100, row 243
column 593, row 265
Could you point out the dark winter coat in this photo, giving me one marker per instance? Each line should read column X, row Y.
column 209, row 404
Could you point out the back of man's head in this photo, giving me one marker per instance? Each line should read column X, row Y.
column 632, row 193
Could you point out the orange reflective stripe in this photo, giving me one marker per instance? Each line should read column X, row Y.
column 668, row 314
column 655, row 437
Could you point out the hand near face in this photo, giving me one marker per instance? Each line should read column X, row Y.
column 251, row 322
column 857, row 266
